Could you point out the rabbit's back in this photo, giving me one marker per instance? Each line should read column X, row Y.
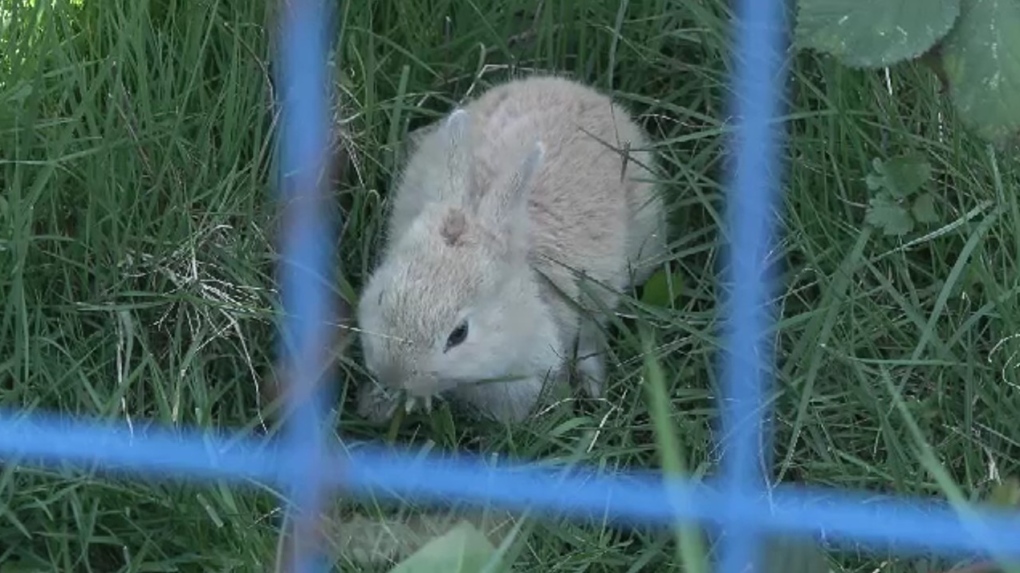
column 592, row 209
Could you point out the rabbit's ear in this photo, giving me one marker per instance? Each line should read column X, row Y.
column 505, row 205
column 456, row 136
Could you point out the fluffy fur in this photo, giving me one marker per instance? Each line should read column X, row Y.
column 501, row 209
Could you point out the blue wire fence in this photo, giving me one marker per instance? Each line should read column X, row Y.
column 739, row 501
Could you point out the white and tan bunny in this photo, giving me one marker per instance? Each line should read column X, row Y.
column 500, row 211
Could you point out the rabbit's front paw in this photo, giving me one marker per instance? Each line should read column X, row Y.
column 591, row 365
column 593, row 374
column 376, row 404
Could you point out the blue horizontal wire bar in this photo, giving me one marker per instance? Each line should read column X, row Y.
column 900, row 524
column 49, row 440
column 751, row 196
column 306, row 264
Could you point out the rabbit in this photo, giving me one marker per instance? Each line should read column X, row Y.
column 501, row 209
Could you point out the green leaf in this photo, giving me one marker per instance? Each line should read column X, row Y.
column 656, row 290
column 981, row 60
column 1005, row 494
column 902, row 176
column 463, row 549
column 443, row 424
column 923, row 209
column 873, row 33
column 889, row 216
column 794, row 555
column 15, row 567
column 20, row 562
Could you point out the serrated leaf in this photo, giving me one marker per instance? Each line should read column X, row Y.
column 903, row 175
column 656, row 290
column 981, row 60
column 889, row 216
column 463, row 549
column 874, row 181
column 923, row 209
column 873, row 33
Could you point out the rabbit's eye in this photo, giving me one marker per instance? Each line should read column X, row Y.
column 457, row 336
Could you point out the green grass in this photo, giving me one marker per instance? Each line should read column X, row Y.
column 137, row 258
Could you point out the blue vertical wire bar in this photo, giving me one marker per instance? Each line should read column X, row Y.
column 752, row 194
column 307, row 234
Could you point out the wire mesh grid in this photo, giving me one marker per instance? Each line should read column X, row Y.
column 740, row 501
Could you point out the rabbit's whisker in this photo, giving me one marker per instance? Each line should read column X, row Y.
column 376, row 334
